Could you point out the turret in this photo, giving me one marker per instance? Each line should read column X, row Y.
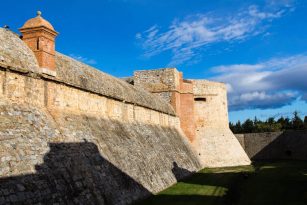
column 40, row 36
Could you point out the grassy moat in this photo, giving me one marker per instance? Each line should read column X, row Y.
column 263, row 183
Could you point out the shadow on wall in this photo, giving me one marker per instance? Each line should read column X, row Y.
column 72, row 173
column 75, row 173
column 275, row 146
column 180, row 173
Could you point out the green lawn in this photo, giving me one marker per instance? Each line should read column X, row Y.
column 277, row 183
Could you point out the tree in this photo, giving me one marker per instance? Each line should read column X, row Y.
column 248, row 126
column 231, row 127
column 285, row 123
column 297, row 122
column 270, row 125
column 256, row 121
column 238, row 127
column 271, row 120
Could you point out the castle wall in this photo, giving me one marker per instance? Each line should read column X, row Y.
column 186, row 107
column 201, row 106
column 169, row 85
column 287, row 145
column 215, row 143
column 161, row 82
column 1, row 83
column 210, row 104
column 60, row 144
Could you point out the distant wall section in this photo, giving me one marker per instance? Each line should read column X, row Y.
column 289, row 144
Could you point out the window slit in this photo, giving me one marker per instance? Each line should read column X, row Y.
column 37, row 44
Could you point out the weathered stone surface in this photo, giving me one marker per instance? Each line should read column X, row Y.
column 15, row 53
column 215, row 143
column 202, row 108
column 290, row 144
column 1, row 83
column 169, row 85
column 84, row 137
column 65, row 145
column 157, row 80
column 219, row 148
column 81, row 75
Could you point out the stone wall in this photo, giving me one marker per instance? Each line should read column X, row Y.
column 16, row 56
column 169, row 85
column 61, row 144
column 215, row 143
column 275, row 145
column 210, row 104
column 14, row 52
column 80, row 75
column 202, row 108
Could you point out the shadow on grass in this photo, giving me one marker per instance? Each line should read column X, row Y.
column 282, row 183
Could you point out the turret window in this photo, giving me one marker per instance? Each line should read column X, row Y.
column 37, row 44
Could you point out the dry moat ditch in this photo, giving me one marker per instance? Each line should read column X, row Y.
column 278, row 182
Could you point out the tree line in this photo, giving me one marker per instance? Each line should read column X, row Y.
column 269, row 125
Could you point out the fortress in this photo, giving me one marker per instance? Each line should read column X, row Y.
column 71, row 134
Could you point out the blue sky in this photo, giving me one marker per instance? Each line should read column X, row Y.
column 259, row 48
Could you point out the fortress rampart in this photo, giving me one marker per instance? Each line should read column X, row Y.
column 202, row 109
column 284, row 145
column 70, row 134
column 37, row 110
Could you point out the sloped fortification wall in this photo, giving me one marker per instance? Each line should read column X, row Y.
column 290, row 144
column 78, row 144
column 216, row 144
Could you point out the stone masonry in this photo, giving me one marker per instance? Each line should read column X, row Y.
column 202, row 109
column 71, row 134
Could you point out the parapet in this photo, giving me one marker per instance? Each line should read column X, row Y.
column 15, row 55
column 88, row 78
column 157, row 80
column 206, row 87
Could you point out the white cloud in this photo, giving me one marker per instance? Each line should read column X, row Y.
column 272, row 83
column 83, row 59
column 186, row 38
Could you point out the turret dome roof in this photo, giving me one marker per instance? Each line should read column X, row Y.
column 38, row 21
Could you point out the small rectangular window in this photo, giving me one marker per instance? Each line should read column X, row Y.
column 200, row 99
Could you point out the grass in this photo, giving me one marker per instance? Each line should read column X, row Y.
column 263, row 183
